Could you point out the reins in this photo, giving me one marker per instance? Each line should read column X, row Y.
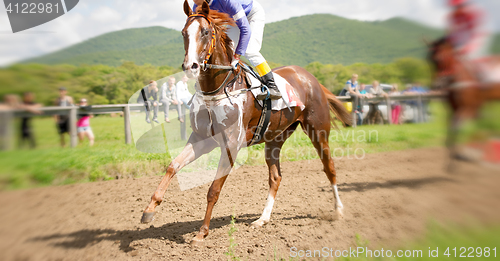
column 226, row 83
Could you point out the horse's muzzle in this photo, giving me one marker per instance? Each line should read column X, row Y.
column 192, row 70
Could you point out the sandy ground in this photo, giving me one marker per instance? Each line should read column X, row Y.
column 388, row 198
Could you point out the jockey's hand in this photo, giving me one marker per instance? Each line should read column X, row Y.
column 236, row 60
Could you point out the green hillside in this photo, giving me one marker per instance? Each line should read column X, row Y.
column 301, row 40
column 155, row 45
column 332, row 40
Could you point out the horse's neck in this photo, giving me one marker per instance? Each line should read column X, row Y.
column 464, row 72
column 211, row 79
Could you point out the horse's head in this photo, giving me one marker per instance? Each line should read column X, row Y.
column 442, row 57
column 204, row 35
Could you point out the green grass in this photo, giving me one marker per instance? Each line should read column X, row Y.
column 51, row 164
column 441, row 242
column 111, row 158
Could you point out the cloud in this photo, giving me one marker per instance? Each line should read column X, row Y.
column 105, row 15
column 91, row 18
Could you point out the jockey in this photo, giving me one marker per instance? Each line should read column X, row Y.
column 466, row 30
column 250, row 19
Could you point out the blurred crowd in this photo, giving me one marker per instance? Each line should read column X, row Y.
column 12, row 102
column 169, row 94
column 370, row 112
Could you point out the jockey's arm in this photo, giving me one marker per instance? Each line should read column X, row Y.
column 236, row 11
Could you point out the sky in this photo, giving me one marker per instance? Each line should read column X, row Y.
column 91, row 18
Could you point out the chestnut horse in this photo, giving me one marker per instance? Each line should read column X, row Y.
column 465, row 91
column 229, row 122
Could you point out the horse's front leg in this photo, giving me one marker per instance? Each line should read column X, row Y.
column 195, row 147
column 226, row 163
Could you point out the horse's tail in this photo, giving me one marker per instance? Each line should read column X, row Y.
column 337, row 108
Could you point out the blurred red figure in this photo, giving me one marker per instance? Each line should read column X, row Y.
column 467, row 32
column 463, row 70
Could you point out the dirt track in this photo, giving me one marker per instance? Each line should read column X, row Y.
column 388, row 198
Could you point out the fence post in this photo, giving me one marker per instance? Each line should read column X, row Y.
column 420, row 109
column 126, row 118
column 72, row 127
column 389, row 109
column 6, row 132
column 354, row 118
column 183, row 124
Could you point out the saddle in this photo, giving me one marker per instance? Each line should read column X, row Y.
column 265, row 116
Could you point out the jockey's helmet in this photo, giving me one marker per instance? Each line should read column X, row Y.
column 454, row 3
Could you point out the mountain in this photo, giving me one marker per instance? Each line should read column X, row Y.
column 332, row 40
column 300, row 40
column 155, row 45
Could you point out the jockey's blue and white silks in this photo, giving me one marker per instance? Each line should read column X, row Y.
column 239, row 10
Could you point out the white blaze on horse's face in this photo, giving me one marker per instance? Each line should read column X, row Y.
column 191, row 65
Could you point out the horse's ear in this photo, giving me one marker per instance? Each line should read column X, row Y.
column 187, row 8
column 205, row 9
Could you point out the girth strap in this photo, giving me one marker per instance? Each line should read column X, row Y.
column 265, row 117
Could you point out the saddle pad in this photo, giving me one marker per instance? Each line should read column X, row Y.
column 488, row 68
column 286, row 90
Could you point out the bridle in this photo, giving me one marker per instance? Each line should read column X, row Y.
column 205, row 65
column 211, row 48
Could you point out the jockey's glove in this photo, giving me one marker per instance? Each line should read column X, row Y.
column 236, row 60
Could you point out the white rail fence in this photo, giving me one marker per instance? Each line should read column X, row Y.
column 7, row 117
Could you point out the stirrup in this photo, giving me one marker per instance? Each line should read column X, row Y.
column 269, row 93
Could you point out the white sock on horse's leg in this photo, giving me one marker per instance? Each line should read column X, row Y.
column 266, row 214
column 268, row 209
column 338, row 203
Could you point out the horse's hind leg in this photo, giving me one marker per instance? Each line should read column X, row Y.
column 272, row 154
column 319, row 138
column 195, row 147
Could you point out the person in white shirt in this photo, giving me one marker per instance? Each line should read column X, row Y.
column 183, row 94
column 168, row 96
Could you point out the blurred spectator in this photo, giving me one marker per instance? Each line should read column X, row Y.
column 376, row 90
column 168, row 96
column 374, row 114
column 362, row 89
column 183, row 94
column 10, row 101
column 149, row 97
column 395, row 105
column 62, row 121
column 359, row 112
column 417, row 89
column 83, row 124
column 25, row 127
column 351, row 90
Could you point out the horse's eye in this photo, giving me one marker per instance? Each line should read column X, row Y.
column 205, row 32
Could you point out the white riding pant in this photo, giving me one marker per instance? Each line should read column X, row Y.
column 257, row 20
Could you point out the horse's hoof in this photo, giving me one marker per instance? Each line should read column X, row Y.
column 196, row 242
column 338, row 214
column 258, row 223
column 147, row 217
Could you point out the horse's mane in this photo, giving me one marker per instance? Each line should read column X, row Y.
column 221, row 21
